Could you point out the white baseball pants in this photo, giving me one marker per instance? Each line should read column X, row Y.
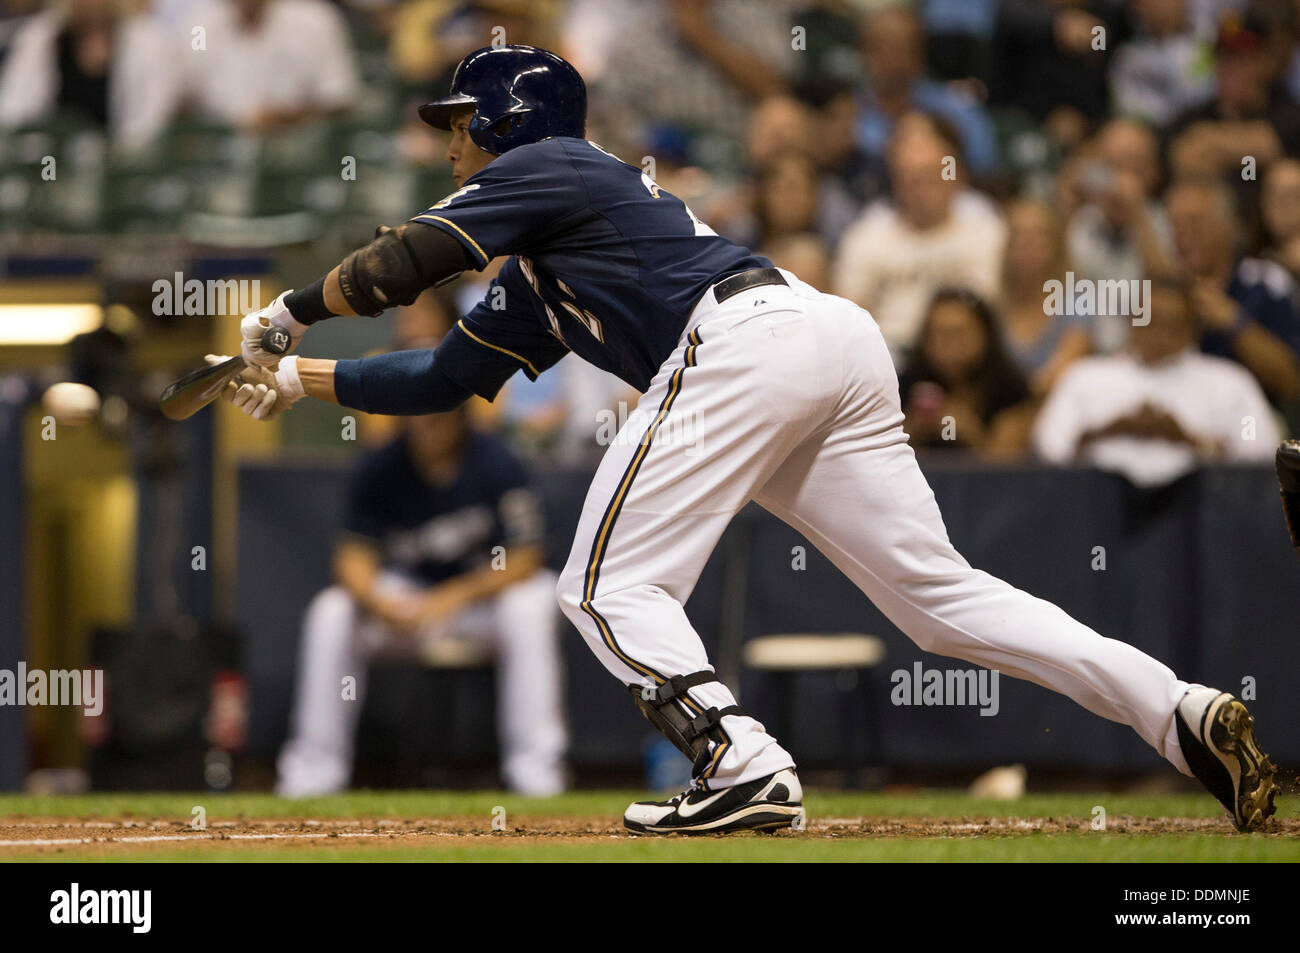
column 519, row 624
column 788, row 396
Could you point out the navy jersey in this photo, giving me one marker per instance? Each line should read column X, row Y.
column 1266, row 292
column 604, row 263
column 431, row 533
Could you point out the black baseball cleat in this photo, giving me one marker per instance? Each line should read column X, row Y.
column 761, row 805
column 1217, row 736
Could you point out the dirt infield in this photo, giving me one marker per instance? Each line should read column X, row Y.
column 112, row 839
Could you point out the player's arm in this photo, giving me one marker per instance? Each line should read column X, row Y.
column 393, row 269
column 521, row 197
column 485, row 348
column 357, row 565
column 401, row 383
column 449, row 597
column 519, row 513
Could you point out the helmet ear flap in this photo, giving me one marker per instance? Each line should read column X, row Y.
column 490, row 134
column 506, row 124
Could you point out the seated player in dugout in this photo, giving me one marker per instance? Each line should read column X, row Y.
column 442, row 547
column 794, row 403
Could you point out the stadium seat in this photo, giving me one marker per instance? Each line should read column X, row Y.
column 849, row 657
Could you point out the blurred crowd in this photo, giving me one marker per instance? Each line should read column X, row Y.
column 1077, row 222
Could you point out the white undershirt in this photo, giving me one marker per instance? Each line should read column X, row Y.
column 297, row 56
column 1210, row 397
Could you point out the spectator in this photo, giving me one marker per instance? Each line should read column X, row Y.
column 934, row 232
column 959, row 36
column 779, row 128
column 12, row 15
column 696, row 64
column 778, row 125
column 961, row 382
column 893, row 44
column 442, row 545
column 429, row 37
column 789, row 200
column 790, row 196
column 1119, row 229
column 1042, row 345
column 1249, row 115
column 834, row 114
column 306, row 67
column 1245, row 306
column 90, row 59
column 1158, row 410
column 1165, row 69
column 1051, row 58
column 803, row 254
column 1281, row 208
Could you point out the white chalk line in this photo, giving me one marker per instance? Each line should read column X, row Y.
column 202, row 836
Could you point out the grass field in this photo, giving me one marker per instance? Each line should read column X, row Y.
column 585, row 826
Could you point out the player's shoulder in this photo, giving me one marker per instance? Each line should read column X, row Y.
column 546, row 154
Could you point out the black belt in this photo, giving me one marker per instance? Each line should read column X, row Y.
column 730, row 287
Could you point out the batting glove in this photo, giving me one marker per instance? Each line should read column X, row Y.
column 255, row 324
column 259, row 392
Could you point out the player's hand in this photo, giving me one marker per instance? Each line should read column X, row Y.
column 401, row 613
column 259, row 392
column 439, row 604
column 254, row 325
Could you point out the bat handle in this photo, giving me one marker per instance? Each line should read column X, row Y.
column 276, row 340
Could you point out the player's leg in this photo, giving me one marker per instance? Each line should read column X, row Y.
column 714, row 424
column 522, row 625
column 317, row 758
column 855, row 490
column 872, row 513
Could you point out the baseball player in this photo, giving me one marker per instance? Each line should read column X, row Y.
column 793, row 401
column 442, row 545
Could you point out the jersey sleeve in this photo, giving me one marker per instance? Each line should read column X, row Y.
column 502, row 334
column 518, row 200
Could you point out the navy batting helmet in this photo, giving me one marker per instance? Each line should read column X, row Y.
column 520, row 94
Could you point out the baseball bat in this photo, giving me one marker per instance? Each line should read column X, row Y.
column 190, row 394
column 1287, row 463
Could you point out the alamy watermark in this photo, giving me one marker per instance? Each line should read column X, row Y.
column 176, row 296
column 935, row 687
column 81, row 688
column 77, row 906
column 624, row 427
column 1087, row 297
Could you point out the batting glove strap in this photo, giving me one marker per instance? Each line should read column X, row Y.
column 278, row 314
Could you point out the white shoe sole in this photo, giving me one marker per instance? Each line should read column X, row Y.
column 751, row 817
